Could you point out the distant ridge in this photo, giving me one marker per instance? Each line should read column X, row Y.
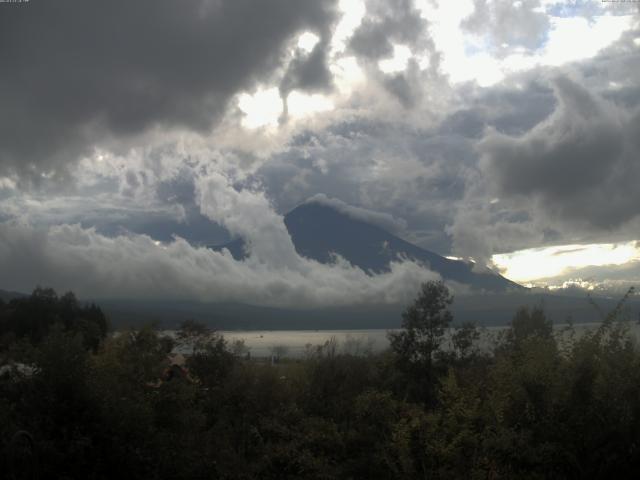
column 318, row 230
column 7, row 295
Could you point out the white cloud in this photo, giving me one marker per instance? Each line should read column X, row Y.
column 382, row 220
column 136, row 266
column 69, row 257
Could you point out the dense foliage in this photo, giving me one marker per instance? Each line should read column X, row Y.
column 537, row 403
column 32, row 318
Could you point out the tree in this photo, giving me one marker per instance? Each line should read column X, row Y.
column 278, row 352
column 212, row 361
column 423, row 326
column 529, row 323
column 240, row 349
column 464, row 339
column 33, row 317
column 193, row 334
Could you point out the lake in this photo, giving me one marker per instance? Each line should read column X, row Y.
column 296, row 342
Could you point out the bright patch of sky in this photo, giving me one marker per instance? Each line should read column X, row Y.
column 353, row 12
column 541, row 263
column 307, row 41
column 264, row 107
column 467, row 57
column 347, row 74
column 261, row 109
column 398, row 61
column 562, row 46
column 301, row 105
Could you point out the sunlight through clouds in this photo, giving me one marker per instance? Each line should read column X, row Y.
column 538, row 263
column 491, row 126
column 398, row 61
column 261, row 109
column 594, row 35
column 307, row 41
column 467, row 56
column 300, row 104
column 353, row 12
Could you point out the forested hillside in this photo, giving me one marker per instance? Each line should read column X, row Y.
column 78, row 403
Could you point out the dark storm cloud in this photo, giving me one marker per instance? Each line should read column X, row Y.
column 405, row 86
column 386, row 23
column 466, row 122
column 617, row 70
column 517, row 110
column 508, row 110
column 77, row 72
column 559, row 162
column 308, row 71
column 577, row 163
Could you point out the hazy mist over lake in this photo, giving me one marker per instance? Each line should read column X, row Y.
column 298, row 342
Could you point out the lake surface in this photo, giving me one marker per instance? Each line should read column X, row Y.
column 296, row 342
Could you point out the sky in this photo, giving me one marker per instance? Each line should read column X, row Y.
column 134, row 134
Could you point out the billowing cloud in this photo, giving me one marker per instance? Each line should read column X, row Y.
column 136, row 266
column 387, row 23
column 560, row 174
column 577, row 163
column 308, row 71
column 382, row 220
column 388, row 28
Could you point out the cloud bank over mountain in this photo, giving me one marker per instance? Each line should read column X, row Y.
column 136, row 266
column 473, row 129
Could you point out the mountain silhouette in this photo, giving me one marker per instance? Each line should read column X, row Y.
column 319, row 231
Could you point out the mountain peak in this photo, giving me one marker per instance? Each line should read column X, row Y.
column 383, row 220
column 321, row 227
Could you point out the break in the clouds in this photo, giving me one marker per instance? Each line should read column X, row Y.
column 132, row 135
column 509, row 24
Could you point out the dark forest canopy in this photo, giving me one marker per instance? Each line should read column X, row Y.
column 33, row 317
column 539, row 404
